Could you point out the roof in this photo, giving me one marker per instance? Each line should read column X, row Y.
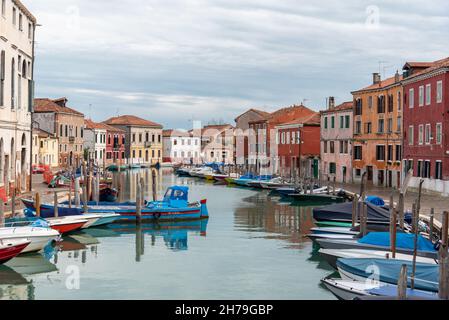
column 348, row 105
column 292, row 112
column 263, row 114
column 414, row 64
column 130, row 120
column 42, row 105
column 22, row 7
column 310, row 120
column 443, row 63
column 100, row 126
column 217, row 127
column 176, row 133
column 42, row 133
column 382, row 84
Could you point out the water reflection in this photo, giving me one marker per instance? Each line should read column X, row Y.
column 13, row 286
column 126, row 183
column 277, row 220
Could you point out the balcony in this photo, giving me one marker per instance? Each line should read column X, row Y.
column 147, row 144
column 71, row 139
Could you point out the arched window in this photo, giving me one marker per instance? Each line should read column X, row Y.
column 2, row 78
column 13, row 85
column 60, row 130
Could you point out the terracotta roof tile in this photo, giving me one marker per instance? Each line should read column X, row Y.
column 382, row 84
column 130, row 120
column 311, row 119
column 176, row 133
column 348, row 105
column 263, row 114
column 443, row 63
column 49, row 105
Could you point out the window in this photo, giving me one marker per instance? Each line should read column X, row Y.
column 13, row 86
column 342, row 147
column 426, row 169
column 399, row 101
column 358, row 107
column 332, row 122
column 332, row 168
column 325, row 146
column 390, row 103
column 381, row 104
column 421, row 95
column 358, row 172
column 153, row 138
column 399, row 124
column 438, row 170
column 390, row 125
column 342, row 122
column 134, row 139
column 358, row 127
column 346, row 147
column 14, row 16
column 147, row 137
column 370, row 102
column 439, row 91
column 410, row 135
column 411, row 98
column 390, row 153
column 30, row 33
column 438, row 133
column 20, row 22
column 3, row 7
column 332, row 147
column 368, row 127
column 428, row 134
column 398, row 152
column 134, row 153
column 357, row 152
column 140, row 139
column 419, row 169
column 380, row 153
column 380, row 126
column 428, row 94
column 347, row 121
column 325, row 122
column 421, row 134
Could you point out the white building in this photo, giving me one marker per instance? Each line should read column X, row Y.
column 17, row 26
column 95, row 141
column 218, row 143
column 181, row 147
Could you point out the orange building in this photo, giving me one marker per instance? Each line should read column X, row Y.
column 377, row 146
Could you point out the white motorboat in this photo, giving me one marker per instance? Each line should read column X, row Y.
column 90, row 218
column 38, row 236
column 332, row 255
column 333, row 236
column 334, row 230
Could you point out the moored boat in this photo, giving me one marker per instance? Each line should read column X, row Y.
column 11, row 248
column 64, row 226
column 38, row 236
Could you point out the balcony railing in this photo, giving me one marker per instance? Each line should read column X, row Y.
column 71, row 139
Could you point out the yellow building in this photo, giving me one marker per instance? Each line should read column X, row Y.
column 143, row 143
column 45, row 148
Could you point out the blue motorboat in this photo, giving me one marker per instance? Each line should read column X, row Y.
column 174, row 206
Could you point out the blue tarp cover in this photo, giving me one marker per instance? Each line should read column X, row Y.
column 375, row 200
column 403, row 241
column 392, row 291
column 388, row 270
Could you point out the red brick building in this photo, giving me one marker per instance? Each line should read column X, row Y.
column 298, row 147
column 426, row 124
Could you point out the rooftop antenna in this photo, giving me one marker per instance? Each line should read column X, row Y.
column 382, row 67
column 90, row 111
column 117, row 113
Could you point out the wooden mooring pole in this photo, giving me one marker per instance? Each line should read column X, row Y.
column 443, row 292
column 392, row 227
column 402, row 283
column 2, row 213
column 154, row 184
column 77, row 192
column 37, row 204
column 415, row 245
column 431, row 223
column 355, row 204
column 138, row 203
column 55, row 204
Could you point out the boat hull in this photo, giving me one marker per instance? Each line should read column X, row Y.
column 64, row 228
column 11, row 251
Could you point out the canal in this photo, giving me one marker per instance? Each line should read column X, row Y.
column 252, row 247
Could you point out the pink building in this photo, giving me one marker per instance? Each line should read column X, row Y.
column 336, row 141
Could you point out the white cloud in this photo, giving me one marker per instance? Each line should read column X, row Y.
column 235, row 53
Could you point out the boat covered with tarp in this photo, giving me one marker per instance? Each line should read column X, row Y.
column 388, row 271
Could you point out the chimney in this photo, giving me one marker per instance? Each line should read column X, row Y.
column 61, row 102
column 331, row 102
column 397, row 77
column 376, row 78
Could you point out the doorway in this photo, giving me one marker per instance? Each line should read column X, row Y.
column 369, row 170
column 344, row 174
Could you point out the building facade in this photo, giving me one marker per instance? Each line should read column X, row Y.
column 95, row 142
column 17, row 27
column 181, row 147
column 217, row 143
column 262, row 154
column 426, row 124
column 55, row 117
column 336, row 141
column 298, row 147
column 242, row 134
column 377, row 148
column 143, row 141
column 115, row 145
column 45, row 149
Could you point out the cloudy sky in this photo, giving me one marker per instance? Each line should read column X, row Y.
column 172, row 61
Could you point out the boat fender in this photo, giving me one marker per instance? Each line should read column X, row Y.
column 157, row 215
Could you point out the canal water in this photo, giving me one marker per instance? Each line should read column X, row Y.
column 252, row 247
